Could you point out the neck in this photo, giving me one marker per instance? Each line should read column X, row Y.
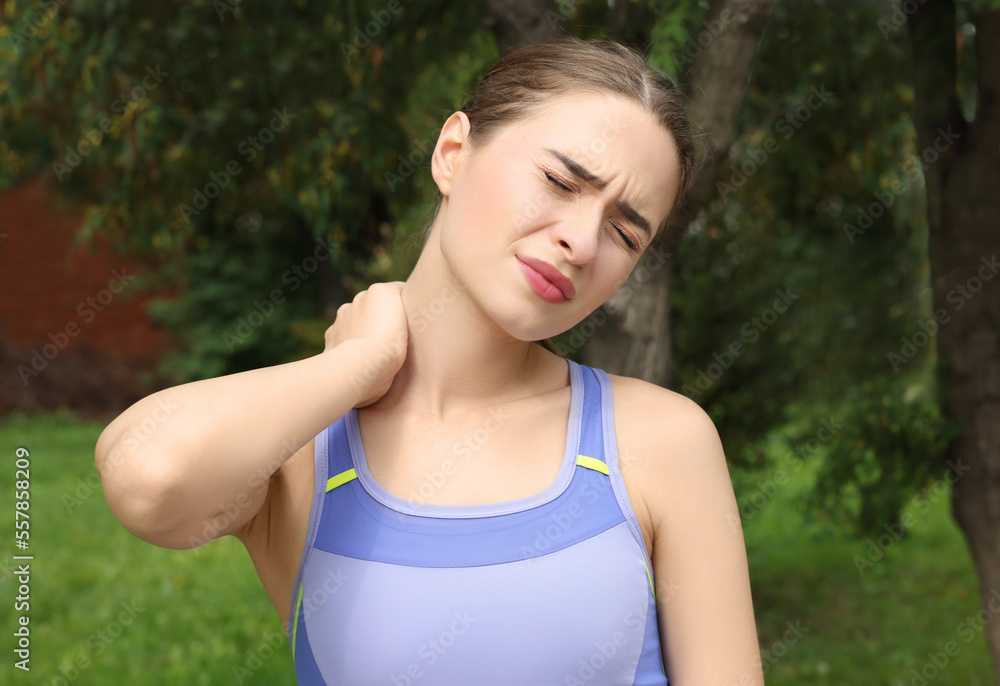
column 457, row 357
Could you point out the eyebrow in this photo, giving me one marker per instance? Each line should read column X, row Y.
column 577, row 170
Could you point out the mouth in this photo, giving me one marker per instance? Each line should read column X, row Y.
column 547, row 281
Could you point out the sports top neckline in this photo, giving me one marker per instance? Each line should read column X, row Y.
column 547, row 494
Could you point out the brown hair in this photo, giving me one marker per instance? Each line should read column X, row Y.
column 521, row 83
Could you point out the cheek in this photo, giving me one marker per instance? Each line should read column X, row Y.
column 612, row 269
column 487, row 213
column 529, row 206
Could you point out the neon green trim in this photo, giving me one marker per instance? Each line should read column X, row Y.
column 659, row 648
column 592, row 463
column 295, row 626
column 340, row 479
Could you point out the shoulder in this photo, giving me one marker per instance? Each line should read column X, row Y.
column 673, row 464
column 669, row 448
column 651, row 416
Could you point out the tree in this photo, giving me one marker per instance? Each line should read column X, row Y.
column 962, row 209
column 633, row 334
column 808, row 264
column 516, row 23
column 256, row 152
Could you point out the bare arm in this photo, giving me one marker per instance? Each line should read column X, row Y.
column 699, row 556
column 191, row 463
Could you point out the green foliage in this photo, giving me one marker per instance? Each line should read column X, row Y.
column 241, row 306
column 863, row 603
column 675, row 38
column 981, row 6
column 889, row 447
column 794, row 287
column 185, row 125
column 820, row 198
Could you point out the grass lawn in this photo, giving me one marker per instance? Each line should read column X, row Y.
column 879, row 611
column 107, row 608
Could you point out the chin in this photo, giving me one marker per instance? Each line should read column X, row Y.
column 537, row 327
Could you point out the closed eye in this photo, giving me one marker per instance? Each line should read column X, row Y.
column 628, row 241
column 556, row 182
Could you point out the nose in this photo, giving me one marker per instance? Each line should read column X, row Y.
column 579, row 234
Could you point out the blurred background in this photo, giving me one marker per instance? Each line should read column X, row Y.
column 192, row 189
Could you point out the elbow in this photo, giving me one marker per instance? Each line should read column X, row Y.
column 144, row 494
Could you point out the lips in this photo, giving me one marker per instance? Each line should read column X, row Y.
column 550, row 274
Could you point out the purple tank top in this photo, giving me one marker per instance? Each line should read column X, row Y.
column 554, row 588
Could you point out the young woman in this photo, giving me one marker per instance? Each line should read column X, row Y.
column 436, row 498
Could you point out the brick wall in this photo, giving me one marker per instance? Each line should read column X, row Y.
column 73, row 330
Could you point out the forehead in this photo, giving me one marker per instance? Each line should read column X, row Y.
column 615, row 139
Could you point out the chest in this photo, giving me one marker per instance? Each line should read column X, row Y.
column 502, row 453
column 554, row 590
column 498, row 454
column 533, row 621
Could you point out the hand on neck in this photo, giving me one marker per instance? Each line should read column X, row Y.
column 457, row 357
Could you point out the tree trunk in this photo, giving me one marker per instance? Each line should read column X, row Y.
column 632, row 23
column 630, row 334
column 963, row 206
column 516, row 23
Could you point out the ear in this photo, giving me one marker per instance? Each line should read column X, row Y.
column 448, row 153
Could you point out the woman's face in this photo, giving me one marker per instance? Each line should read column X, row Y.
column 581, row 187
